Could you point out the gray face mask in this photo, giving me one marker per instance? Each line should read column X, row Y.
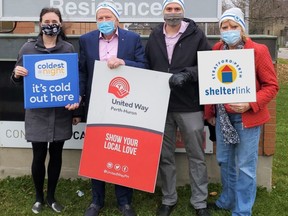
column 173, row 19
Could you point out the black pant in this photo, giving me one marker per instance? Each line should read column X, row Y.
column 212, row 132
column 39, row 170
column 123, row 194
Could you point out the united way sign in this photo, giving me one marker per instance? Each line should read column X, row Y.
column 130, row 11
column 52, row 80
column 125, row 126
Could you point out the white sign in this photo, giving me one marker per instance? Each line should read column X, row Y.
column 226, row 76
column 12, row 135
column 125, row 126
column 130, row 11
column 128, row 101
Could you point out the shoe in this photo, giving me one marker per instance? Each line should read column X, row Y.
column 127, row 210
column 93, row 210
column 214, row 207
column 37, row 207
column 165, row 210
column 55, row 207
column 202, row 212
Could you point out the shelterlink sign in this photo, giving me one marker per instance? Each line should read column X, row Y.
column 52, row 80
column 125, row 126
column 130, row 11
column 226, row 76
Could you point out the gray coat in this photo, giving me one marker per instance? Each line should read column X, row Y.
column 45, row 124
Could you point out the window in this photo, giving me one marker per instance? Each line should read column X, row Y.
column 6, row 26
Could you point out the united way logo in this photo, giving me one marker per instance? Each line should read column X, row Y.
column 119, row 87
column 227, row 71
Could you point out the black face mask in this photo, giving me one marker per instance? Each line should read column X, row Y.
column 173, row 19
column 51, row 30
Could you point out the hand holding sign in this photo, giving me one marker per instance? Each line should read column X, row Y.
column 20, row 71
column 240, row 107
column 178, row 79
column 114, row 62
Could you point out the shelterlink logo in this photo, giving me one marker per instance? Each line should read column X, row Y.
column 227, row 71
column 119, row 87
column 51, row 69
column 227, row 74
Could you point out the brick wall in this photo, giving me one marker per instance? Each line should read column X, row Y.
column 69, row 28
column 24, row 28
column 78, row 28
column 268, row 143
column 268, row 138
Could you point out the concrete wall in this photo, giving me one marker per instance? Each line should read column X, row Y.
column 17, row 162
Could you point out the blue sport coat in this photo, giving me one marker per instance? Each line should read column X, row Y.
column 130, row 49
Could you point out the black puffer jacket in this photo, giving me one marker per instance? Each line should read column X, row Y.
column 184, row 59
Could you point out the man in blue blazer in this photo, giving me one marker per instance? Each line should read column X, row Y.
column 117, row 47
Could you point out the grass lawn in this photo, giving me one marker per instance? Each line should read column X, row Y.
column 17, row 194
column 282, row 61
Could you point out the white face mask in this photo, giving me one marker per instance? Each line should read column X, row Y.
column 231, row 37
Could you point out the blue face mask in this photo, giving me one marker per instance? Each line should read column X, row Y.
column 106, row 27
column 231, row 37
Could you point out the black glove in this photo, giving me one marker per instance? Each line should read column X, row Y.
column 178, row 79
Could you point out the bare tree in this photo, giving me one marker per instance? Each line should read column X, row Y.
column 266, row 13
column 259, row 15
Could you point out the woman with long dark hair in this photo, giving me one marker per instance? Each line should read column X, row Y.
column 45, row 126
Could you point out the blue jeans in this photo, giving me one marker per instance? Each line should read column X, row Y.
column 238, row 165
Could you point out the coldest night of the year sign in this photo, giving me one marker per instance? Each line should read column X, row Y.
column 52, row 80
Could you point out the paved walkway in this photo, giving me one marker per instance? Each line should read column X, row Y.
column 283, row 53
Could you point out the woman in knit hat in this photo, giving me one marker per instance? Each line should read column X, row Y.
column 238, row 125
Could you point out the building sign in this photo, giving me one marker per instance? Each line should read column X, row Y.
column 228, row 76
column 12, row 135
column 130, row 11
